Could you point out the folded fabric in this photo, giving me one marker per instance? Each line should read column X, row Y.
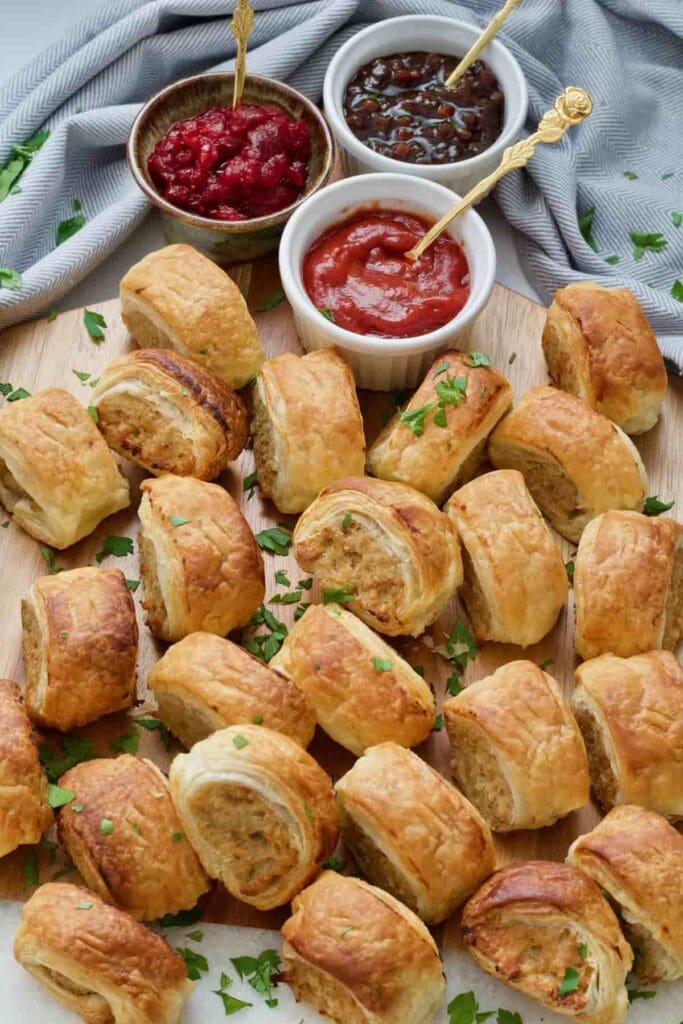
column 606, row 203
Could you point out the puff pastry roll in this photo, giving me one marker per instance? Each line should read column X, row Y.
column 515, row 580
column 24, row 810
column 636, row 856
column 540, row 927
column 127, row 841
column 446, row 447
column 169, row 415
column 630, row 711
column 385, row 543
column 177, row 298
column 358, row 956
column 200, row 565
column 205, row 683
column 576, row 463
column 259, row 811
column 362, row 691
column 307, row 427
column 58, row 479
column 516, row 750
column 412, row 833
column 599, row 346
column 628, row 585
column 98, row 961
column 80, row 641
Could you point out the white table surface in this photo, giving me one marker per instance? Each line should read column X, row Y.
column 31, row 25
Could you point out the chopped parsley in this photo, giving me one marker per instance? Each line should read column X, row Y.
column 612, row 260
column 52, row 315
column 654, row 507
column 195, row 936
column 30, row 868
column 647, row 242
column 133, row 584
column 639, row 993
column 177, row 837
column 74, row 749
column 18, row 162
column 676, row 217
column 125, row 744
column 84, row 905
column 334, row 863
column 259, row 971
column 453, row 685
column 275, row 299
column 586, row 228
column 231, row 1004
column 677, row 290
column 452, row 390
column 263, row 645
column 48, row 556
column 106, row 827
column 249, row 484
column 10, row 279
column 276, row 540
column 307, row 811
column 570, row 982
column 114, row 545
column 327, row 313
column 258, row 720
column 583, row 950
column 195, row 963
column 569, row 566
column 546, row 664
column 414, row 419
column 477, row 359
column 58, row 797
column 512, row 358
column 68, row 228
column 442, row 367
column 438, row 724
column 464, row 1009
column 305, row 584
column 93, row 413
column 291, row 597
column 631, row 175
column 50, row 848
column 94, row 324
column 240, row 742
column 179, row 520
column 82, row 375
column 346, row 522
column 183, row 919
column 337, row 595
column 381, row 665
column 282, row 579
column 155, row 725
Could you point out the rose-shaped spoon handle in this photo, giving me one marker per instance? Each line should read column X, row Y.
column 483, row 40
column 570, row 108
column 241, row 27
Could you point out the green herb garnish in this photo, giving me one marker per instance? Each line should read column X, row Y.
column 155, row 725
column 654, row 507
column 73, row 751
column 586, row 228
column 67, row 228
column 58, row 797
column 94, row 324
column 275, row 300
column 337, row 595
column 249, row 484
column 477, row 359
column 569, row 983
column 334, row 863
column 414, row 419
column 569, row 566
column 125, row 744
column 647, row 242
column 631, row 175
column 677, row 290
column 381, row 665
column 106, row 827
column 114, row 545
column 133, row 584
column 10, row 279
column 258, row 972
column 239, row 741
column 195, row 963
column 30, row 868
column 276, row 540
column 327, row 313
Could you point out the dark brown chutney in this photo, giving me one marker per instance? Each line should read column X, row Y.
column 400, row 106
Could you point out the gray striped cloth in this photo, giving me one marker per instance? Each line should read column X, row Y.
column 624, row 164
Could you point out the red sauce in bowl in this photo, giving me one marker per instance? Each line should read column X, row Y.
column 233, row 164
column 358, row 276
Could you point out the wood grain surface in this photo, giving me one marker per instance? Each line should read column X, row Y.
column 45, row 354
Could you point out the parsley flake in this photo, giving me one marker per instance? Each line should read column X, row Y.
column 259, row 972
column 58, row 797
column 179, row 520
column 586, row 228
column 231, row 1004
column 73, row 751
column 635, row 993
column 654, row 507
column 381, row 665
column 612, row 260
column 195, row 963
column 106, row 827
column 334, row 863
column 10, row 279
column 126, row 744
column 631, row 175
column 94, row 324
column 327, row 313
column 676, row 217
column 282, row 579
column 677, row 290
column 48, row 556
column 414, row 419
column 569, row 566
column 438, row 724
column 84, row 905
column 249, row 484
column 155, row 725
column 647, row 242
column 276, row 540
column 337, row 595
column 477, row 359
column 346, row 522
column 30, row 868
column 240, row 742
column 546, row 664
column 275, row 299
column 114, row 545
column 183, row 919
column 570, row 982
column 133, row 584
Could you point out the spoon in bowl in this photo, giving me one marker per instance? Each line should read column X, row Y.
column 483, row 40
column 241, row 27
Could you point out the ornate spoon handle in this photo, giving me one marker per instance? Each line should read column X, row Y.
column 241, row 27
column 570, row 108
column 483, row 40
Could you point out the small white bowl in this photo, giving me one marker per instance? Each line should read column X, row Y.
column 383, row 364
column 435, row 35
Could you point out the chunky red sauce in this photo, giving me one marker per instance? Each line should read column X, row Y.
column 233, row 164
column 357, row 275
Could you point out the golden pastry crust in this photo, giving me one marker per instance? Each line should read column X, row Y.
column 576, row 463
column 447, row 456
column 628, row 585
column 515, row 580
column 259, row 811
column 307, row 427
column 205, row 683
column 98, row 961
column 599, row 346
column 332, row 657
column 531, row 923
column 169, row 415
column 412, row 833
column 630, row 711
column 80, row 640
column 386, row 543
column 636, row 856
column 177, row 298
column 139, row 859
column 516, row 749
column 205, row 572
column 24, row 810
column 58, row 479
column 358, row 956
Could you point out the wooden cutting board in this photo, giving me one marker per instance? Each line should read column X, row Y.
column 45, row 354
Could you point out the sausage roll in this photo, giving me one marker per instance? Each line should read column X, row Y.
column 636, row 856
column 307, row 427
column 205, row 683
column 200, row 565
column 363, row 692
column 124, row 835
column 516, row 750
column 628, row 585
column 58, row 479
column 385, row 543
column 24, row 810
column 441, row 450
column 177, row 298
column 169, row 415
column 515, row 580
column 546, row 929
column 575, row 462
column 358, row 956
column 80, row 645
column 599, row 346
column 98, row 961
column 259, row 811
column 412, row 833
column 630, row 711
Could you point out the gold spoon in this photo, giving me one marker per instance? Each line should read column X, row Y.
column 483, row 40
column 241, row 27
column 570, row 108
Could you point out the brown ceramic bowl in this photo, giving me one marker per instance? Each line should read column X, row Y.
column 225, row 241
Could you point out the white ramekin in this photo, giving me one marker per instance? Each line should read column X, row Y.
column 438, row 35
column 383, row 364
